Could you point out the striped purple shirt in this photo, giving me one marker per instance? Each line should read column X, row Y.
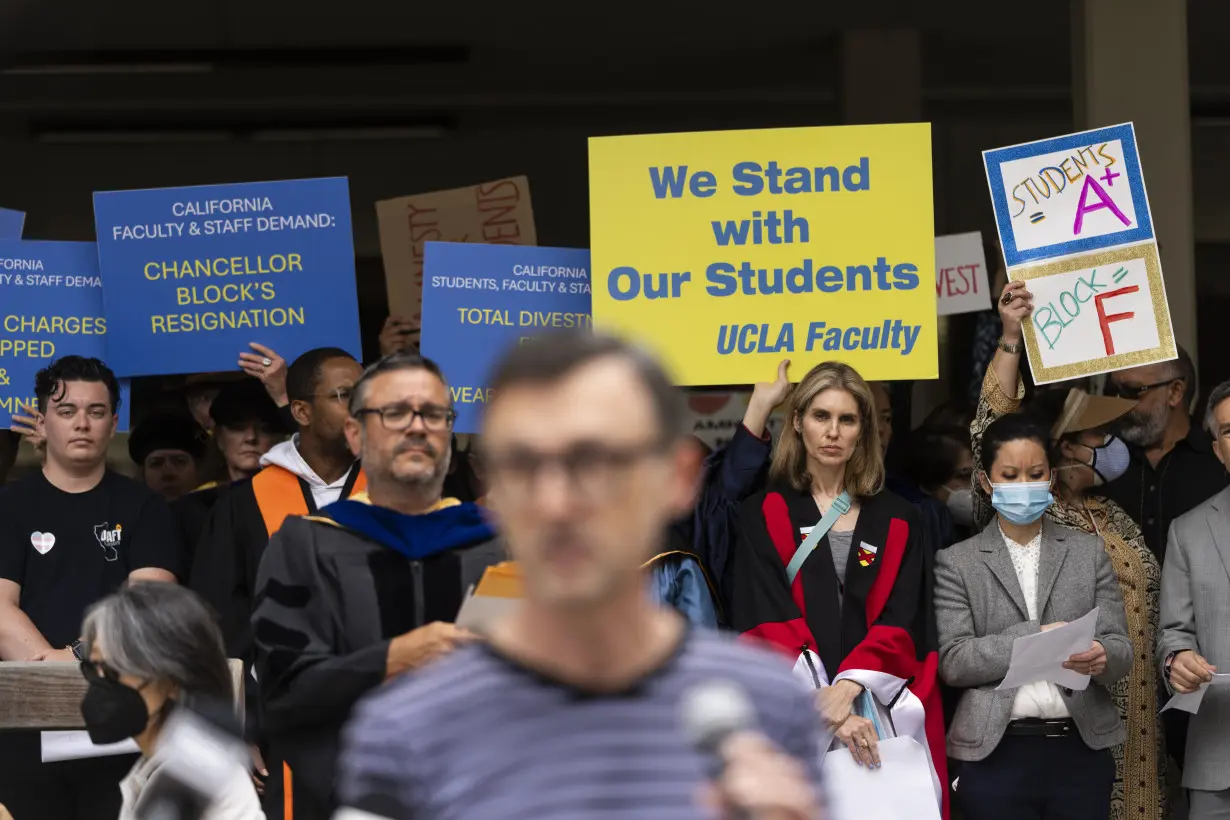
column 478, row 736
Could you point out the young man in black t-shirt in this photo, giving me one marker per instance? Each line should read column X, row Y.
column 69, row 535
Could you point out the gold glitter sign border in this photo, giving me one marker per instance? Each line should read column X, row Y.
column 1166, row 349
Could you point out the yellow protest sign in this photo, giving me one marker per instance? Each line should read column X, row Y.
column 728, row 251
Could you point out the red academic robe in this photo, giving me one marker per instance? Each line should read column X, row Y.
column 884, row 621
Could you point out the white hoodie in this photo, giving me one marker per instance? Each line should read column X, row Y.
column 286, row 455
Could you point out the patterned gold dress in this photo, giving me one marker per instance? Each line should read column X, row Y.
column 1140, row 763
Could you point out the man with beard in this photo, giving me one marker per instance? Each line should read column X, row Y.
column 366, row 589
column 1173, row 467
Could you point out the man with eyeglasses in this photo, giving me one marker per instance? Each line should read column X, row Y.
column 573, row 707
column 366, row 589
column 312, row 470
column 1173, row 468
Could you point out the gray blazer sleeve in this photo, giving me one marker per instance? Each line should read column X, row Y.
column 1112, row 622
column 1178, row 618
column 967, row 660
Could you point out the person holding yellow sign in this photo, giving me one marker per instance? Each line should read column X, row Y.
column 832, row 570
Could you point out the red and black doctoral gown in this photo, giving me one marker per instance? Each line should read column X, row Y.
column 883, row 620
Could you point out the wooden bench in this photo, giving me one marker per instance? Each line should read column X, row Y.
column 47, row 696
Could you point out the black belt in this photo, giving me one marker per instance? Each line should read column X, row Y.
column 1036, row 727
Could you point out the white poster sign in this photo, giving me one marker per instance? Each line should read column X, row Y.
column 1074, row 222
column 961, row 274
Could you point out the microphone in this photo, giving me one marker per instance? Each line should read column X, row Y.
column 711, row 713
column 198, row 752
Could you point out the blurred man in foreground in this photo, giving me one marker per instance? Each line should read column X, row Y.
column 574, row 705
column 367, row 589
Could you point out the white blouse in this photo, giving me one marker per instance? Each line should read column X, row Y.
column 1040, row 699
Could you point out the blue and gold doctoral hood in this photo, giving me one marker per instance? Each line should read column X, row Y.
column 448, row 525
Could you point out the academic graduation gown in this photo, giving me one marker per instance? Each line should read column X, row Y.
column 333, row 591
column 881, row 622
column 679, row 579
column 191, row 513
column 232, row 539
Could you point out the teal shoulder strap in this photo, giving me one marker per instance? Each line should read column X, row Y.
column 841, row 505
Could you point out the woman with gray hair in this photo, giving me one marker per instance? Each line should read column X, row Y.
column 153, row 647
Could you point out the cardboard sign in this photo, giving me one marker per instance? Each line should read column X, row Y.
column 193, row 275
column 728, row 251
column 478, row 300
column 1068, row 195
column 11, row 223
column 961, row 274
column 494, row 213
column 1074, row 222
column 1097, row 313
column 51, row 305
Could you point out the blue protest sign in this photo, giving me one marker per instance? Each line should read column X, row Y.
column 193, row 275
column 11, row 223
column 480, row 299
column 51, row 305
column 1071, row 194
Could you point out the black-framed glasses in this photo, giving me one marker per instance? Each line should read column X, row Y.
column 1135, row 391
column 590, row 468
column 399, row 417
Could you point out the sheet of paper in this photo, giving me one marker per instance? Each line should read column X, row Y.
column 901, row 787
column 1190, row 702
column 74, row 745
column 1041, row 657
column 479, row 611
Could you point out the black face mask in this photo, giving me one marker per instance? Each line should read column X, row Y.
column 113, row 712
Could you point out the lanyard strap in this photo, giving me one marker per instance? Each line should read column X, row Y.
column 841, row 506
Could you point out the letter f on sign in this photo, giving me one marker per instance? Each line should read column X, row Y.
column 1104, row 319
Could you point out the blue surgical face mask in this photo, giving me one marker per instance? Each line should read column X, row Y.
column 1022, row 502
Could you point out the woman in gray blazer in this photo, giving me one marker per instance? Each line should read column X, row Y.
column 1037, row 751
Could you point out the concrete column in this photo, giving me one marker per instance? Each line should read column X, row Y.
column 882, row 83
column 1129, row 63
column 881, row 77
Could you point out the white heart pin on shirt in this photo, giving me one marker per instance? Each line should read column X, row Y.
column 42, row 541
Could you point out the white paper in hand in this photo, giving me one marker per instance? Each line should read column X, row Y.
column 1190, row 702
column 901, row 787
column 479, row 612
column 1041, row 657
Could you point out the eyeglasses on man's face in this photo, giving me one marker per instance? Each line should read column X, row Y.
column 589, row 468
column 1134, row 392
column 398, row 417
